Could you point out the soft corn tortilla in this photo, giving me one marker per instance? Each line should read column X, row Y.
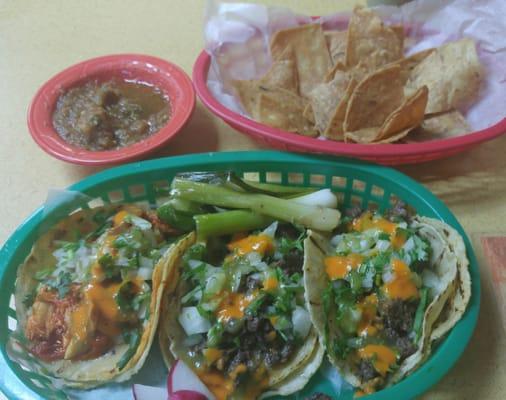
column 450, row 295
column 102, row 370
column 284, row 380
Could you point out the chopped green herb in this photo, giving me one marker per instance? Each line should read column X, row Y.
column 43, row 274
column 215, row 334
column 255, row 305
column 125, row 296
column 132, row 338
column 420, row 311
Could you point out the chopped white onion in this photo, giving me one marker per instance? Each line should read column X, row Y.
column 322, row 198
column 271, row 229
column 192, row 322
column 301, row 321
column 387, row 276
column 140, row 223
column 402, row 225
column 409, row 245
column 145, row 273
column 367, row 282
column 336, row 240
column 254, row 258
column 364, row 244
column 215, row 283
column 145, row 262
column 192, row 340
column 382, row 245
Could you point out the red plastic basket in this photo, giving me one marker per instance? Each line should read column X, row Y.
column 388, row 154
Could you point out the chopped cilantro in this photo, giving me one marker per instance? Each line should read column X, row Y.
column 43, row 274
column 132, row 338
column 125, row 296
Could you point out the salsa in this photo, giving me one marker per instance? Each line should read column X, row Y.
column 109, row 115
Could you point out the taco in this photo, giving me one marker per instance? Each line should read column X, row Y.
column 382, row 290
column 88, row 295
column 236, row 313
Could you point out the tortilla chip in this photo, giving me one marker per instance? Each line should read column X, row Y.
column 408, row 116
column 399, row 32
column 282, row 73
column 370, row 41
column 407, row 64
column 324, row 99
column 336, row 42
column 312, row 56
column 452, row 73
column 368, row 136
column 282, row 109
column 308, row 113
column 248, row 93
column 335, row 127
column 336, row 69
column 374, row 99
column 441, row 126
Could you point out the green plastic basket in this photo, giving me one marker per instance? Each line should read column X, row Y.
column 356, row 182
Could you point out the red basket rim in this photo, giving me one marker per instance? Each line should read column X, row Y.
column 168, row 77
column 379, row 151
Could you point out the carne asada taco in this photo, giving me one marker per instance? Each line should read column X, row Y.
column 88, row 295
column 237, row 315
column 382, row 290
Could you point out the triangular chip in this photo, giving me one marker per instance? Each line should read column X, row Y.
column 283, row 73
column 324, row 99
column 248, row 92
column 336, row 42
column 312, row 56
column 308, row 113
column 284, row 110
column 441, row 126
column 452, row 73
column 365, row 135
column 370, row 41
column 408, row 116
column 335, row 127
column 407, row 64
column 374, row 99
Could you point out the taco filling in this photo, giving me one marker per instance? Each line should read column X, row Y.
column 97, row 293
column 242, row 310
column 378, row 290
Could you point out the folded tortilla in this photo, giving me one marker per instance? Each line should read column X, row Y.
column 450, row 295
column 85, row 373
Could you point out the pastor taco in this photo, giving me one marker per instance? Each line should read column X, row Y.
column 382, row 290
column 236, row 314
column 88, row 295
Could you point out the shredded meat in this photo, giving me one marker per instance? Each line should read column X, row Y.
column 46, row 328
column 157, row 223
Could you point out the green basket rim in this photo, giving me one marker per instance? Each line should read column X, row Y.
column 440, row 362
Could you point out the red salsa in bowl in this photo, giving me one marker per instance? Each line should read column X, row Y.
column 111, row 109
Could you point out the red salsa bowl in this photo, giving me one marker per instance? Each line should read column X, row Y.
column 168, row 78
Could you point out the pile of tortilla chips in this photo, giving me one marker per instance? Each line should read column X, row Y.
column 357, row 85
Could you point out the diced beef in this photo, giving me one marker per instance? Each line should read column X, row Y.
column 398, row 315
column 366, row 370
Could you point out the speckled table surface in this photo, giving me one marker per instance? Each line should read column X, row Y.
column 38, row 39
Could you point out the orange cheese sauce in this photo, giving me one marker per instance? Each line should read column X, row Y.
column 401, row 286
column 212, row 354
column 337, row 267
column 397, row 240
column 261, row 244
column 270, row 283
column 220, row 386
column 367, row 221
column 368, row 307
column 383, row 357
column 233, row 306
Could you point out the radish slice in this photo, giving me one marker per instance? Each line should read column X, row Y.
column 182, row 379
column 143, row 392
column 187, row 395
